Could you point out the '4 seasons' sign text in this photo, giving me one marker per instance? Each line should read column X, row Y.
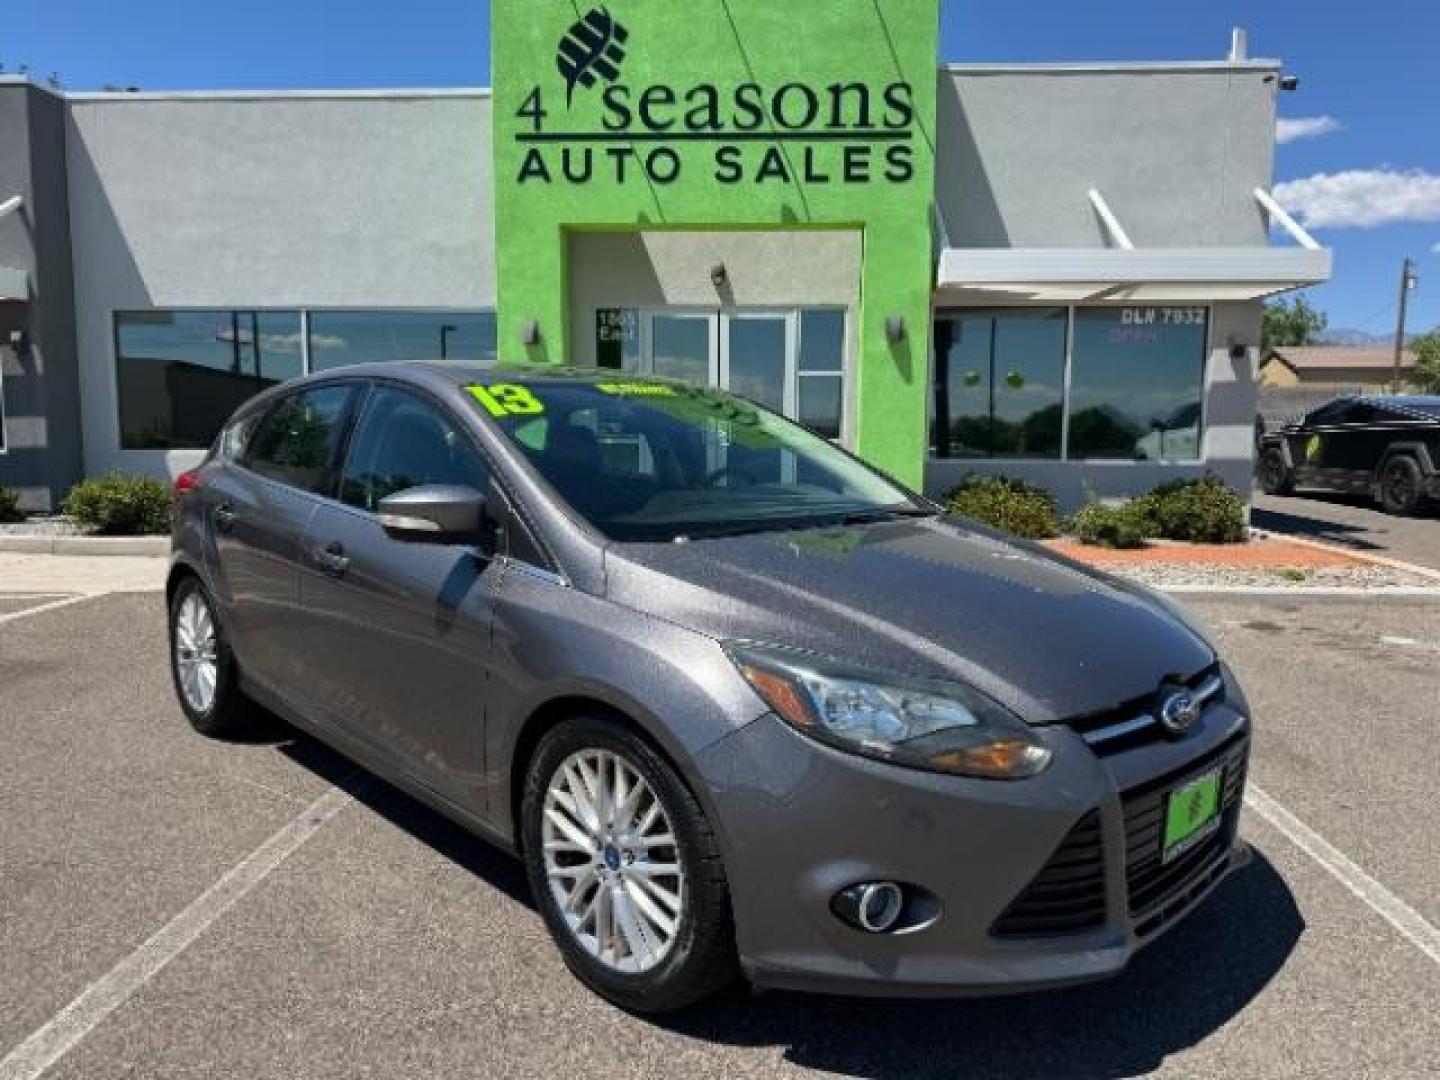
column 747, row 133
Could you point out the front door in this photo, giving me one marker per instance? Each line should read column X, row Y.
column 749, row 353
column 681, row 345
column 397, row 633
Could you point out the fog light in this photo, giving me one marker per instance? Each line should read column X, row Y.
column 875, row 906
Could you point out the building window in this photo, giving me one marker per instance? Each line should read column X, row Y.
column 180, row 374
column 999, row 383
column 1134, row 389
column 819, row 393
column 342, row 338
column 1136, row 383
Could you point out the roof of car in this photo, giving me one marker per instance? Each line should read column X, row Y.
column 527, row 373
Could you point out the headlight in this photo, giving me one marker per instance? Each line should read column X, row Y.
column 943, row 727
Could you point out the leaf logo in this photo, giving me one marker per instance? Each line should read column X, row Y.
column 593, row 48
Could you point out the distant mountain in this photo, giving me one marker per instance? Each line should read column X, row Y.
column 1345, row 336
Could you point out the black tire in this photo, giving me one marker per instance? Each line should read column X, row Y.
column 702, row 960
column 1276, row 476
column 1402, row 486
column 229, row 713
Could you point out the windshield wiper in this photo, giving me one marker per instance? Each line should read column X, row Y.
column 890, row 513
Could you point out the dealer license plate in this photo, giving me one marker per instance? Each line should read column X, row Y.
column 1192, row 813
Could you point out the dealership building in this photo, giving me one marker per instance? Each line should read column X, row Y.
column 1053, row 272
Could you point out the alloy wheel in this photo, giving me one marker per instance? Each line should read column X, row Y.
column 612, row 861
column 197, row 653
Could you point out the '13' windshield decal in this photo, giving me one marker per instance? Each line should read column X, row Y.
column 506, row 399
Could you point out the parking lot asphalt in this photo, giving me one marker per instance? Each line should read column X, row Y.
column 1353, row 522
column 390, row 943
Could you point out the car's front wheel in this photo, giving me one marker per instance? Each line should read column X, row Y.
column 202, row 665
column 1402, row 487
column 1276, row 476
column 625, row 869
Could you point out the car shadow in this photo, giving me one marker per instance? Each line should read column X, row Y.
column 1314, row 528
column 431, row 828
column 1174, row 994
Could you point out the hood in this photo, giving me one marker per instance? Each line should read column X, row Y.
column 932, row 598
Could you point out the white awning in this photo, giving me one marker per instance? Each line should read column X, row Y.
column 1128, row 273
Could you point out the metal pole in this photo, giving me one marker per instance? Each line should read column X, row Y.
column 1407, row 282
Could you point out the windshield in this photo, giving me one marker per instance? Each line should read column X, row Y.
column 647, row 461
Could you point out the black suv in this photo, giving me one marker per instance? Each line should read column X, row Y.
column 1385, row 447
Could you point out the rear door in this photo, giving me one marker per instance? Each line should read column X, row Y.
column 258, row 510
column 397, row 634
column 1318, row 447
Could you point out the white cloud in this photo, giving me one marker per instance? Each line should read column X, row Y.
column 1362, row 198
column 1306, row 127
column 1436, row 248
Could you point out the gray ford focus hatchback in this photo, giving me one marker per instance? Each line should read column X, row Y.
column 743, row 706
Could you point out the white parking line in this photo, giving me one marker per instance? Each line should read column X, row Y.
column 1379, row 899
column 48, row 606
column 102, row 997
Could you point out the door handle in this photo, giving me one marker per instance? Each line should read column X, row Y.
column 332, row 559
column 224, row 517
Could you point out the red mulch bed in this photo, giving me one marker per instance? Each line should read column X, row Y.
column 1259, row 554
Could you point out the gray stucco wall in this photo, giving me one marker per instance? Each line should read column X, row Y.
column 1175, row 151
column 772, row 269
column 41, row 382
column 270, row 201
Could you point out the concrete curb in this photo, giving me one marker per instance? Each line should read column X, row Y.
column 85, row 545
column 1378, row 560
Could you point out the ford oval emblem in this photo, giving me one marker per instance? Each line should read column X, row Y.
column 1178, row 711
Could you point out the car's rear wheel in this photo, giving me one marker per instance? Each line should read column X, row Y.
column 625, row 869
column 202, row 665
column 1276, row 476
column 1402, row 488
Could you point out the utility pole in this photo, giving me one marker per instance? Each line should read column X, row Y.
column 1408, row 281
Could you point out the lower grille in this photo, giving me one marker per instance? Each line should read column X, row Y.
column 1068, row 895
column 1156, row 888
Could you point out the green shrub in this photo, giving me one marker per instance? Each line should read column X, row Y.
column 10, row 505
column 1012, row 506
column 119, row 505
column 1199, row 511
column 1109, row 526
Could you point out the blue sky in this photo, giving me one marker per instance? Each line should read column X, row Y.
column 1364, row 173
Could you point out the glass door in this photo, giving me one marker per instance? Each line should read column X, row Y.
column 789, row 361
column 757, row 357
column 682, row 345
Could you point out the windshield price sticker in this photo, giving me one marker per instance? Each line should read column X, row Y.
column 506, row 399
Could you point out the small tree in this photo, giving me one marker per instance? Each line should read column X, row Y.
column 1427, row 362
column 1291, row 323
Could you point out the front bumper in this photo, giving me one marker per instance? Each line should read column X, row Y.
column 800, row 821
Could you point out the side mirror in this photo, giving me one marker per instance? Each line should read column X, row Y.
column 434, row 514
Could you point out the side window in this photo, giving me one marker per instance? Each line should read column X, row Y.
column 296, row 442
column 403, row 441
column 1337, row 412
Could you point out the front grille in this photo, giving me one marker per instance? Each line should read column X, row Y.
column 1068, row 895
column 1132, row 723
column 1158, row 890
